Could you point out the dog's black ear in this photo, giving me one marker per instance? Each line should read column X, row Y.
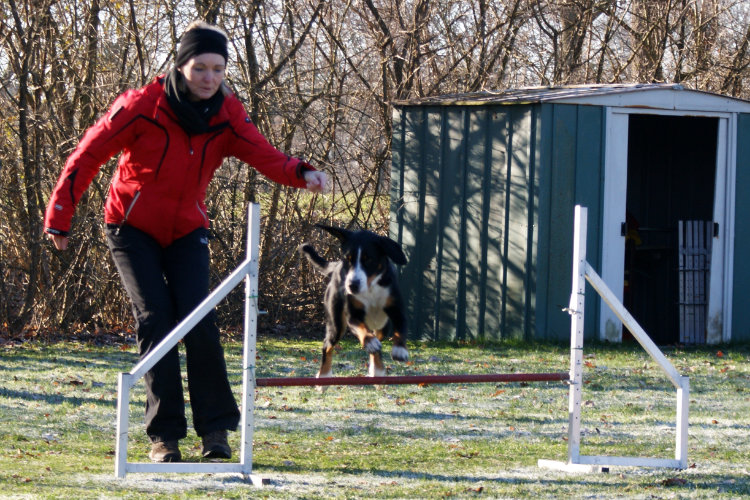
column 341, row 234
column 392, row 250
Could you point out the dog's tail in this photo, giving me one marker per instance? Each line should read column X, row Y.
column 316, row 260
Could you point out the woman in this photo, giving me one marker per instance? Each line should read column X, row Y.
column 173, row 134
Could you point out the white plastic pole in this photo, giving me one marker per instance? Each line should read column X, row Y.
column 123, row 405
column 576, row 310
column 683, row 402
column 192, row 319
column 629, row 321
column 251, row 323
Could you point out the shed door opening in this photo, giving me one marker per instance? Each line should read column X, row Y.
column 671, row 177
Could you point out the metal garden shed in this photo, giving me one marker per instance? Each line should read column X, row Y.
column 483, row 187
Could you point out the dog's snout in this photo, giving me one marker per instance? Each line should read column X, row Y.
column 354, row 286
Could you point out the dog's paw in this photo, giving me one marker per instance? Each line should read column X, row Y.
column 399, row 353
column 373, row 345
column 323, row 388
column 374, row 371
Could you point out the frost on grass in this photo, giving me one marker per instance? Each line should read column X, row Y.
column 403, row 442
column 167, row 483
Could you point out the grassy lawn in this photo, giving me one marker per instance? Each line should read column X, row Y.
column 57, row 410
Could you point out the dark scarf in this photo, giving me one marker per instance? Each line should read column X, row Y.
column 193, row 116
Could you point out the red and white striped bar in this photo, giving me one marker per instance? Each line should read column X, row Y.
column 411, row 379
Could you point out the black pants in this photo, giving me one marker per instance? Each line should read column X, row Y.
column 164, row 286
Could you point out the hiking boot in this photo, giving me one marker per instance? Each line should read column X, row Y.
column 215, row 445
column 165, row 451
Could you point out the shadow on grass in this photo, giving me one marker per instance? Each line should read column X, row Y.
column 57, row 399
column 672, row 480
column 52, row 359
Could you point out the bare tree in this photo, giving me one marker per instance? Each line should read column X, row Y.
column 318, row 78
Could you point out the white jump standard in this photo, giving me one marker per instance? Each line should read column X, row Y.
column 248, row 271
column 582, row 272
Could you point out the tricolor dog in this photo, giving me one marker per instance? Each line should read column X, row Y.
column 362, row 295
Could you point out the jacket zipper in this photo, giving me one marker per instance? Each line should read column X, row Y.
column 203, row 214
column 127, row 212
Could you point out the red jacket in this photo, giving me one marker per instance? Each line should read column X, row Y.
column 162, row 175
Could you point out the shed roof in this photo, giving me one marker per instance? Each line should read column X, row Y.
column 644, row 95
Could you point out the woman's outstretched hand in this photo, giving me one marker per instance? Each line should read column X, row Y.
column 61, row 242
column 316, row 181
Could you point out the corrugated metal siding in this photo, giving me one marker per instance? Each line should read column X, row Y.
column 740, row 311
column 571, row 173
column 464, row 210
column 482, row 202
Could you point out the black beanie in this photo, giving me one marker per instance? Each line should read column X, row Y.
column 200, row 41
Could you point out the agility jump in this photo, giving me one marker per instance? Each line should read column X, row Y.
column 248, row 271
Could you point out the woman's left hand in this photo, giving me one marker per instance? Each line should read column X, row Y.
column 316, row 181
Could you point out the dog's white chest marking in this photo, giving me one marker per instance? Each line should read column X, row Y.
column 370, row 293
column 375, row 301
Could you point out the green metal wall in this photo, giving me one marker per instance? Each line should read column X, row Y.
column 571, row 173
column 740, row 311
column 482, row 202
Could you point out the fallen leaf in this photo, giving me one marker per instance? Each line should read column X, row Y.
column 674, row 481
column 719, row 354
